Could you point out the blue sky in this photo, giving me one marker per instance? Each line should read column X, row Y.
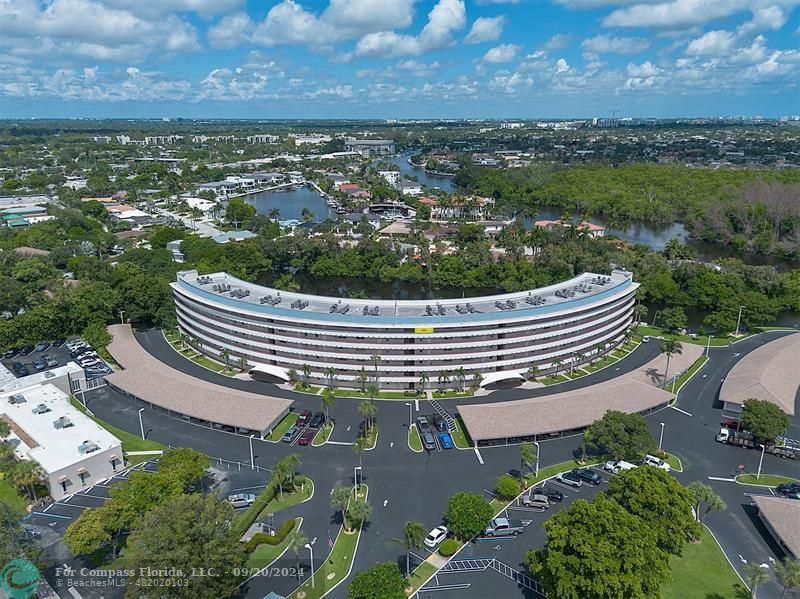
column 398, row 58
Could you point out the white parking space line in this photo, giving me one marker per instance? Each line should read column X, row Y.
column 726, row 479
column 95, row 496
column 478, row 453
column 677, row 409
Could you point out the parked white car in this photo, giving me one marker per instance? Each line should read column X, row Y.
column 436, row 536
column 652, row 460
column 617, row 466
column 240, row 500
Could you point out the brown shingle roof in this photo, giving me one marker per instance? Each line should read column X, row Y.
column 153, row 381
column 561, row 411
column 771, row 373
column 783, row 515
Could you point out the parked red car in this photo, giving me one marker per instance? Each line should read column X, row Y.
column 306, row 437
column 728, row 422
column 303, row 418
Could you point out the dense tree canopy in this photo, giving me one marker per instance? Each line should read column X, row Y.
column 382, row 581
column 620, row 435
column 764, row 419
column 467, row 515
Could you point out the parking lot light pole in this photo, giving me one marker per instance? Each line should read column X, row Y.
column 141, row 425
column 252, row 460
column 536, row 474
column 738, row 321
column 410, row 415
column 356, row 469
column 310, row 547
column 661, row 438
column 761, row 459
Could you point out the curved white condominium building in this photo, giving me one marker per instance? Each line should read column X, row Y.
column 392, row 343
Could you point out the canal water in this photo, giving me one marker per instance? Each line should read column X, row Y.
column 407, row 170
column 291, row 203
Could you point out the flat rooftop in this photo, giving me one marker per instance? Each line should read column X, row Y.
column 581, row 289
column 58, row 437
column 38, row 377
column 770, row 373
column 151, row 380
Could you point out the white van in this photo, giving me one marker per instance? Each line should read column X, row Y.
column 617, row 466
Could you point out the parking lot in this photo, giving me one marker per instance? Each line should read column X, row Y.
column 434, row 433
column 45, row 356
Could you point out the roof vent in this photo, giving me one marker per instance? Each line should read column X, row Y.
column 17, row 399
column 41, row 409
column 62, row 422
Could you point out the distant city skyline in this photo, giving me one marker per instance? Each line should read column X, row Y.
column 506, row 59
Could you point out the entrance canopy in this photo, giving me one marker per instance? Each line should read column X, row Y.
column 275, row 371
column 496, row 377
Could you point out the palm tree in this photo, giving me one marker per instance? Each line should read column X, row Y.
column 413, row 535
column 640, row 312
column 284, row 471
column 532, row 372
column 362, row 378
column 27, row 473
column 359, row 447
column 274, row 214
column 557, row 363
column 225, row 355
column 328, row 401
column 340, row 499
column 242, row 363
column 788, row 573
column 360, row 510
column 330, row 372
column 296, row 544
column 444, row 378
column 670, row 347
column 704, row 494
column 755, row 575
column 476, row 381
column 306, row 374
column 528, row 455
column 292, row 374
column 578, row 358
column 423, row 379
column 462, row 377
column 367, row 410
column 375, row 359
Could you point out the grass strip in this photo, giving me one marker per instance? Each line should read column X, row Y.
column 265, row 553
column 765, row 480
column 460, row 436
column 414, row 442
column 284, row 425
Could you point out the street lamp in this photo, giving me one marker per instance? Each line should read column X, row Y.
column 252, row 460
column 655, row 316
column 738, row 321
column 410, row 414
column 310, row 547
column 661, row 437
column 536, row 474
column 121, row 313
column 141, row 426
column 356, row 470
column 760, row 460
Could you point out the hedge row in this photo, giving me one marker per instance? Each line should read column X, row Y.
column 263, row 538
column 245, row 520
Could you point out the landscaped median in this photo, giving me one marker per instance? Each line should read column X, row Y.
column 460, row 435
column 684, row 378
column 338, row 565
column 765, row 480
column 265, row 553
column 414, row 442
column 323, row 434
column 180, row 345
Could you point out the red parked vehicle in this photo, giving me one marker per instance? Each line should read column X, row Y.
column 306, row 437
column 729, row 422
column 303, row 418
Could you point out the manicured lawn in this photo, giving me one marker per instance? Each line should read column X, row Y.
column 130, row 442
column 372, row 437
column 698, row 364
column 187, row 351
column 414, row 442
column 310, row 389
column 453, row 393
column 699, row 340
column 549, row 471
column 420, row 574
column 673, row 462
column 766, row 480
column 13, row 498
column 322, row 435
column 702, row 572
column 552, row 380
column 460, row 436
column 284, row 425
column 288, row 499
column 265, row 554
column 334, row 569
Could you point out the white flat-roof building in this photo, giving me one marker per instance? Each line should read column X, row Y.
column 73, row 451
column 70, row 378
column 369, row 147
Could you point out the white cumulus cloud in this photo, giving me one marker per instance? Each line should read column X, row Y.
column 485, row 29
column 501, row 53
column 605, row 44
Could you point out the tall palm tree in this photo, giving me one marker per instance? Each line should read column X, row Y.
column 292, row 374
column 755, row 575
column 296, row 544
column 274, row 214
column 226, row 356
column 640, row 312
column 413, row 535
column 330, row 372
column 340, row 498
column 476, row 380
column 444, row 378
column 359, row 447
column 423, row 379
column 670, row 347
column 328, row 401
column 27, row 473
column 558, row 364
column 360, row 510
column 306, row 374
column 462, row 377
column 367, row 410
column 375, row 359
column 788, row 573
column 362, row 378
column 532, row 372
column 528, row 455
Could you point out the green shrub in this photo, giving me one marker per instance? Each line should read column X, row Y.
column 507, row 487
column 244, row 521
column 261, row 538
column 448, row 547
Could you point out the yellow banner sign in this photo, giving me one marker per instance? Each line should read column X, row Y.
column 423, row 330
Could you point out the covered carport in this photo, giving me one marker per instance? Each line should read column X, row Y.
column 501, row 380
column 268, row 373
